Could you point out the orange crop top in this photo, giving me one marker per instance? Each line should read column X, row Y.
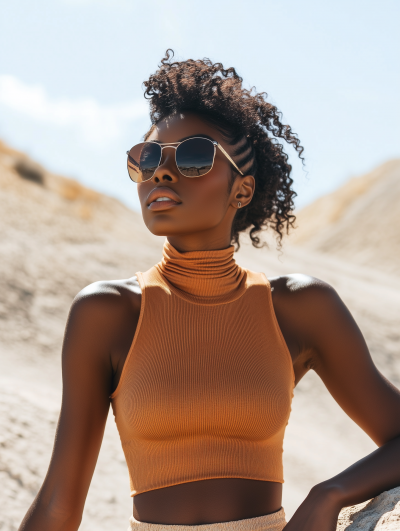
column 206, row 388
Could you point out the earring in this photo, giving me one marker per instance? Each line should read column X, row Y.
column 239, row 204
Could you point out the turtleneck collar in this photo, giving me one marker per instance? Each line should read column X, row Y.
column 203, row 274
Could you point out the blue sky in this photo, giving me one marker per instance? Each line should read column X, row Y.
column 71, row 74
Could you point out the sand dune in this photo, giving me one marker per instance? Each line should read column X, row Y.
column 359, row 221
column 57, row 236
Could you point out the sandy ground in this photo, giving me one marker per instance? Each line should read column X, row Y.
column 53, row 244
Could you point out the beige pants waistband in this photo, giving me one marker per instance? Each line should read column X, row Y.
column 270, row 522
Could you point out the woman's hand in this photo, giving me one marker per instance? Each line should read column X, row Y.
column 319, row 511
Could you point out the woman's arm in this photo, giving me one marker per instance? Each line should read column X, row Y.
column 101, row 316
column 332, row 344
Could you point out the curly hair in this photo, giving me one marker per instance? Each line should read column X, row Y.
column 247, row 122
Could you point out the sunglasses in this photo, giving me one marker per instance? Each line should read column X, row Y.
column 194, row 157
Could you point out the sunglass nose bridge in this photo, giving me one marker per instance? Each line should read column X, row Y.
column 164, row 158
column 164, row 146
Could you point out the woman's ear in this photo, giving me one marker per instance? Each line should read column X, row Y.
column 242, row 191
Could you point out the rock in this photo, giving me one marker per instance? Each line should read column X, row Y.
column 29, row 170
column 380, row 514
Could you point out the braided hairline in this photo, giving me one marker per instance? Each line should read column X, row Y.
column 247, row 121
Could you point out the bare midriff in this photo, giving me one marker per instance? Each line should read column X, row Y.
column 208, row 501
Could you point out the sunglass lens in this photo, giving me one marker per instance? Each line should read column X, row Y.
column 195, row 157
column 143, row 160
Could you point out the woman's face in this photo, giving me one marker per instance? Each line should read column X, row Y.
column 201, row 213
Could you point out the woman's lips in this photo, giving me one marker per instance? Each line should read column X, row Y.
column 162, row 205
column 169, row 198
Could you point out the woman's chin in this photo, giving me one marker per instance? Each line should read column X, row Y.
column 160, row 228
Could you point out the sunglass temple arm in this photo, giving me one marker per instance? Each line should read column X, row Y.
column 229, row 158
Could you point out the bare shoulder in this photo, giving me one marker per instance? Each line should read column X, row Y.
column 297, row 283
column 102, row 321
column 299, row 292
column 110, row 289
column 108, row 295
column 305, row 298
column 309, row 312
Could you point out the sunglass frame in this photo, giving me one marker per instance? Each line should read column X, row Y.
column 175, row 145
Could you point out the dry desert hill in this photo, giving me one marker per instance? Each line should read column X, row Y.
column 358, row 222
column 57, row 236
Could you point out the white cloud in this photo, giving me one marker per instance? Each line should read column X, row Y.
column 96, row 123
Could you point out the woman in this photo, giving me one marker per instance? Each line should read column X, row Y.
column 198, row 356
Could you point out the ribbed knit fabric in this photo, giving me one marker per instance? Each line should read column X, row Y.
column 206, row 388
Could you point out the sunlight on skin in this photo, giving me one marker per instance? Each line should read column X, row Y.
column 206, row 210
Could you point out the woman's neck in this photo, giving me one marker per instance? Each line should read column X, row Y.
column 200, row 242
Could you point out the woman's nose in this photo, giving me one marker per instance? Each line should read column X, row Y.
column 167, row 170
